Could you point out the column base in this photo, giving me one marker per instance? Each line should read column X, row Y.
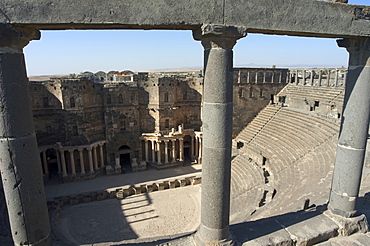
column 342, row 205
column 201, row 241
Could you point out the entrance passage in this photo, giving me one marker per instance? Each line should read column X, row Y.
column 124, row 153
column 187, row 154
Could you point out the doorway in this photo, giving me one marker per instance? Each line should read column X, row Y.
column 124, row 153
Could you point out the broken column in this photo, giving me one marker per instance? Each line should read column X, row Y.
column 354, row 129
column 20, row 167
column 218, row 42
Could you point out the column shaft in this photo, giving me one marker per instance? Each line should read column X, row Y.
column 218, row 42
column 58, row 162
column 64, row 168
column 200, row 155
column 72, row 158
column 95, row 158
column 45, row 163
column 91, row 162
column 354, row 129
column 192, row 149
column 166, row 152
column 102, row 164
column 181, row 150
column 20, row 168
column 153, row 152
column 320, row 77
column 82, row 163
column 173, row 150
column 159, row 154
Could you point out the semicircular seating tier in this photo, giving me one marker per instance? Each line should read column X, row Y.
column 293, row 149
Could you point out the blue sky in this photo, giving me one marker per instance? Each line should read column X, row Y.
column 65, row 52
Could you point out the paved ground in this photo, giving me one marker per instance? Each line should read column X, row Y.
column 110, row 222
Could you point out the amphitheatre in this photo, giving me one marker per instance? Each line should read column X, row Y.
column 179, row 160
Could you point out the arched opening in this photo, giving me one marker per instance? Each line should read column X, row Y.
column 124, row 153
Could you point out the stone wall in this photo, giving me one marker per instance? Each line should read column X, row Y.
column 254, row 88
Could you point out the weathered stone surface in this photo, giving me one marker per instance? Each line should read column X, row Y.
column 310, row 228
column 294, row 17
column 349, row 226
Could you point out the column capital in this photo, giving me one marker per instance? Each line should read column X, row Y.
column 17, row 37
column 359, row 50
column 218, row 35
column 80, row 150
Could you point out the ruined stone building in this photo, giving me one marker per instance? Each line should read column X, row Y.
column 121, row 121
column 84, row 127
column 218, row 25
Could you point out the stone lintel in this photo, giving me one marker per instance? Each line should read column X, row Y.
column 288, row 17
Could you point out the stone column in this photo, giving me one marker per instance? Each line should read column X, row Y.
column 354, row 129
column 95, row 158
column 58, row 161
column 312, row 77
column 181, row 150
column 200, row 154
column 296, row 78
column 192, row 148
column 173, row 150
column 45, row 163
column 328, row 79
column 82, row 163
column 91, row 163
column 256, row 78
column 320, row 77
column 20, row 170
column 153, row 151
column 166, row 151
column 102, row 164
column 63, row 159
column 281, row 77
column 146, row 143
column 196, row 147
column 159, row 152
column 248, row 77
column 272, row 77
column 72, row 158
column 344, row 78
column 303, row 77
column 218, row 41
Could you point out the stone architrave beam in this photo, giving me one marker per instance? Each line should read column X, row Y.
column 283, row 17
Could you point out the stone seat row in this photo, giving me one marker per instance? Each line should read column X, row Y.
column 326, row 94
column 283, row 133
column 314, row 89
column 308, row 178
column 245, row 175
column 258, row 123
